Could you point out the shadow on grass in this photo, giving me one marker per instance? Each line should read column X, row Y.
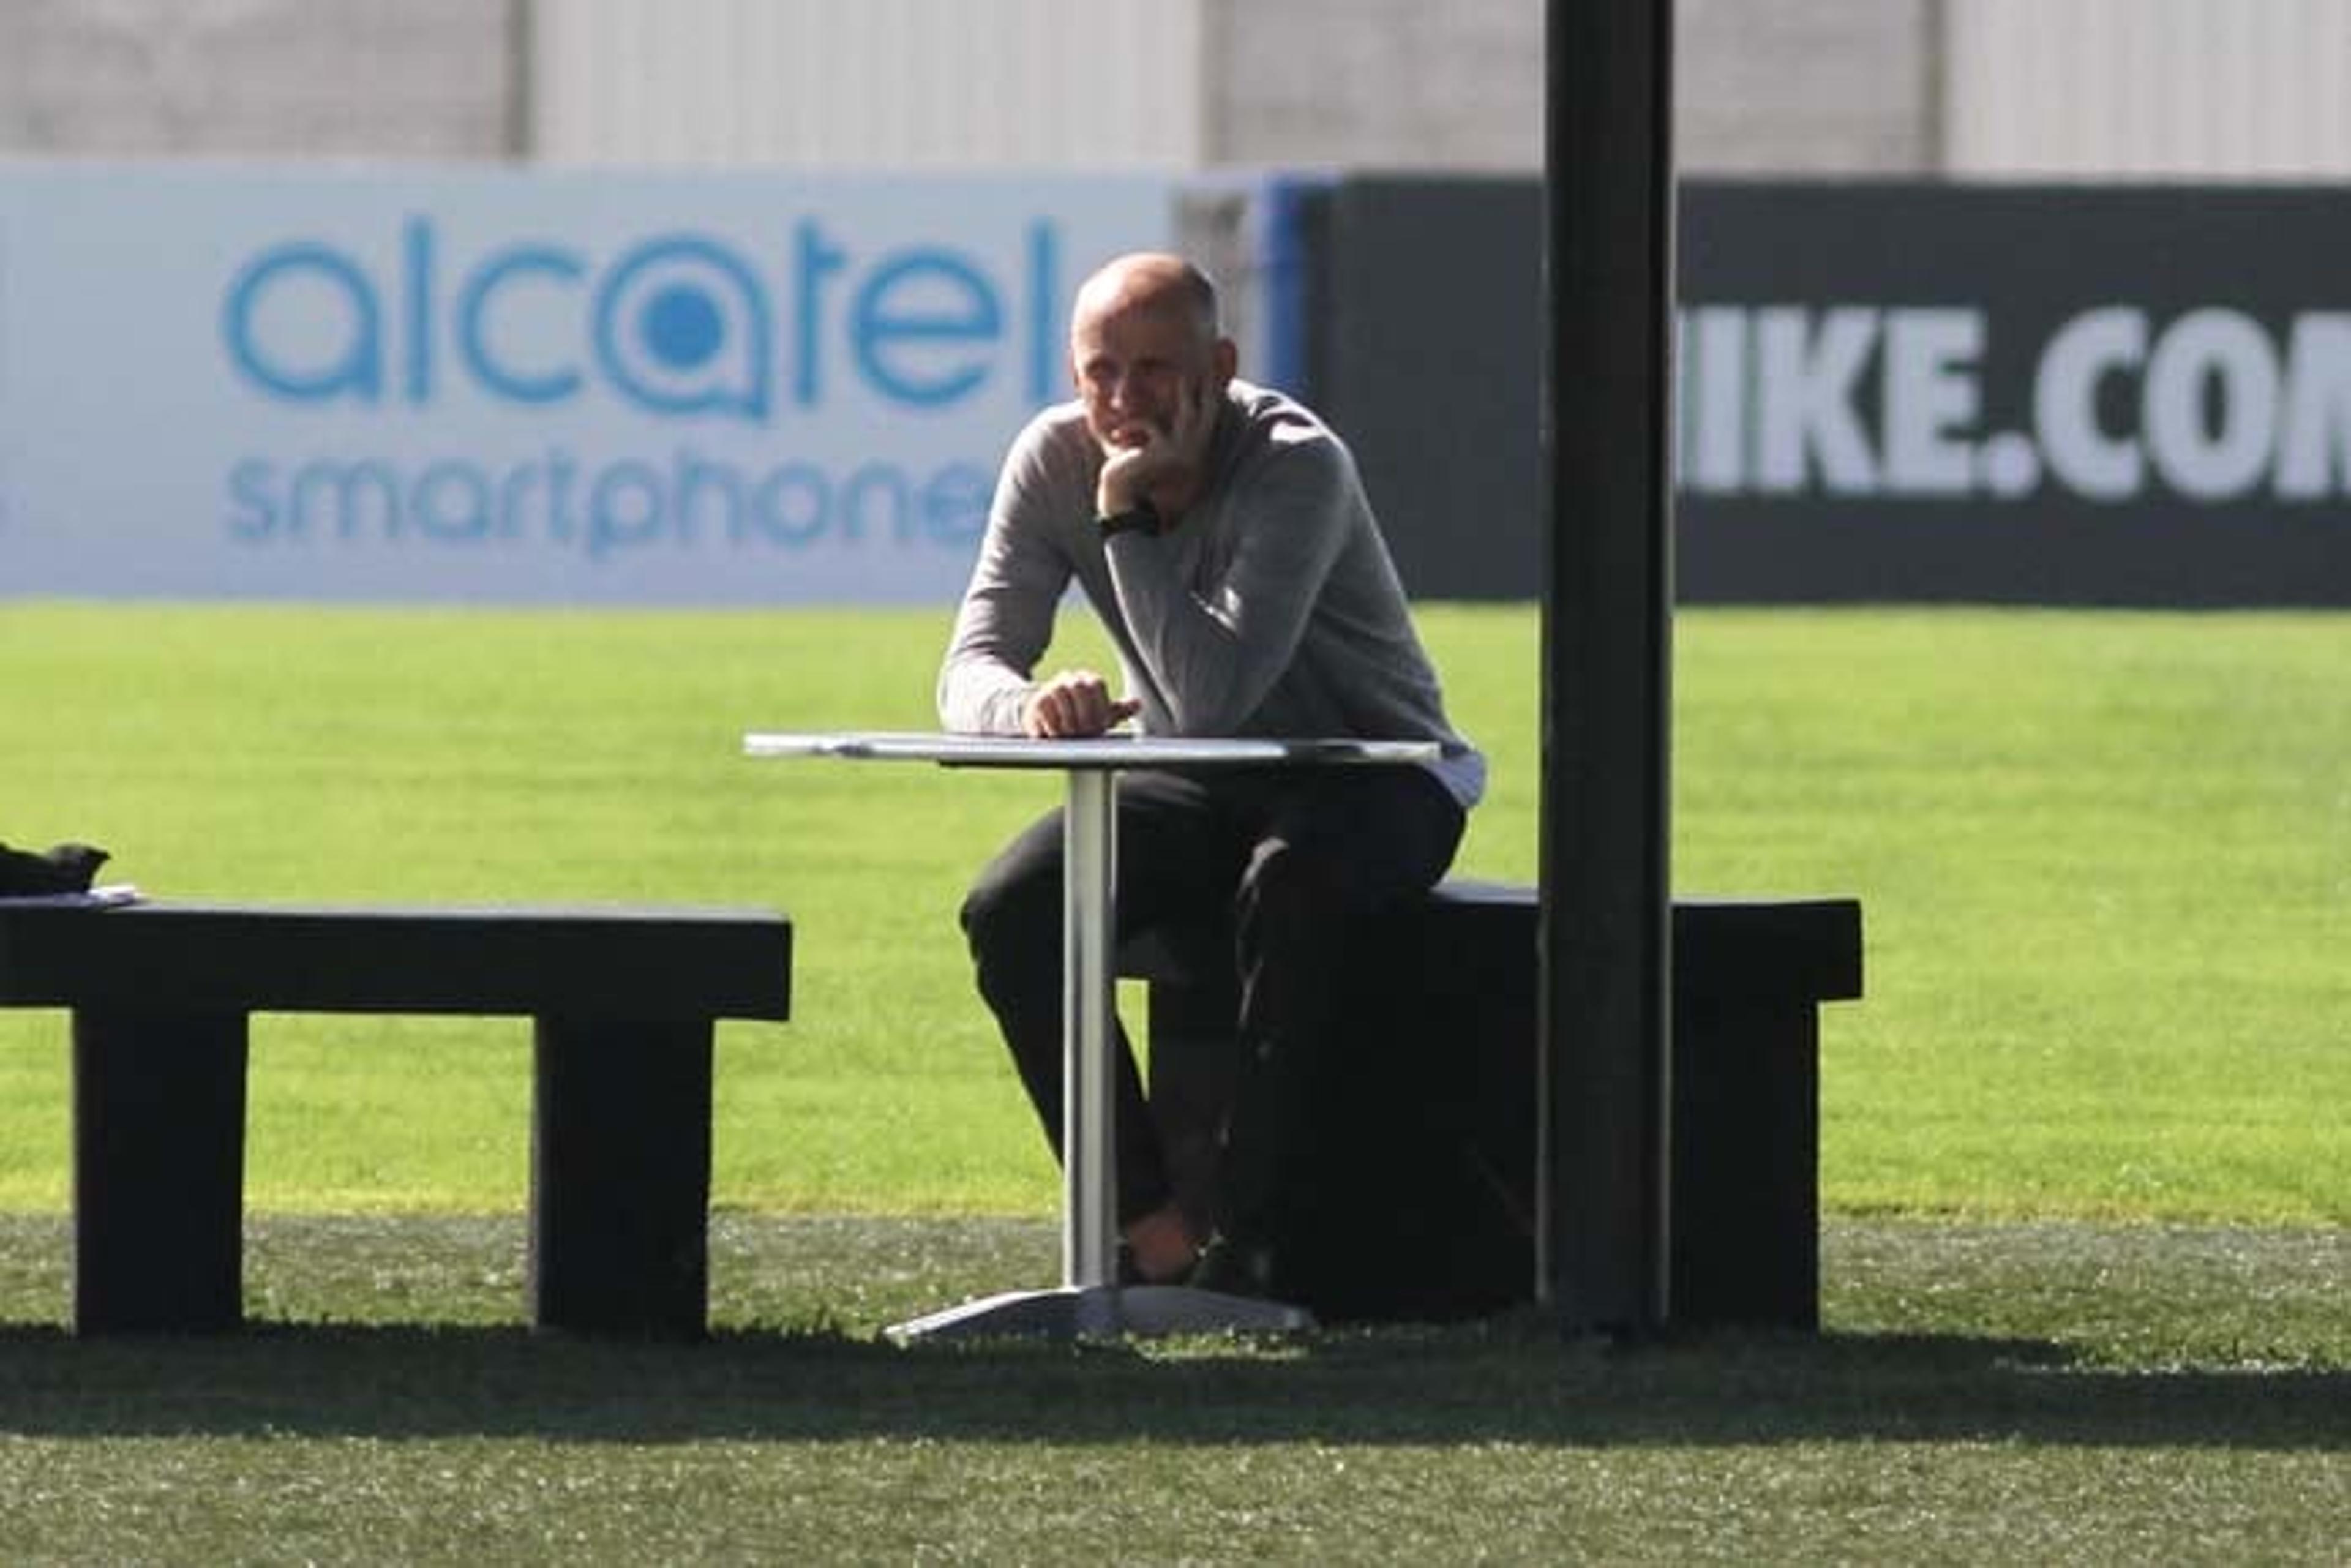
column 1512, row 1382
column 408, row 1327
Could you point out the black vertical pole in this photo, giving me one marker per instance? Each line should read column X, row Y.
column 1607, row 657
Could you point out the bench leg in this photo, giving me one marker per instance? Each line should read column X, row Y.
column 620, row 1178
column 158, row 1172
column 1745, row 1162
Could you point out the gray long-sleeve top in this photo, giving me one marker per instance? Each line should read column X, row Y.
column 1270, row 607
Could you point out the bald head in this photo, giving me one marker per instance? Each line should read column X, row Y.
column 1150, row 283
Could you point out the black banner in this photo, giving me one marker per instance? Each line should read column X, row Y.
column 2129, row 396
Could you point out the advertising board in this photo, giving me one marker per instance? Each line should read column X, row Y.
column 505, row 385
column 2127, row 395
column 2063, row 395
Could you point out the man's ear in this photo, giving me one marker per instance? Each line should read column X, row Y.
column 1227, row 360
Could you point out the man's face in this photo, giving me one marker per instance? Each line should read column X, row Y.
column 1131, row 363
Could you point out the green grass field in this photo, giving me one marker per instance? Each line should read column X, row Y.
column 2083, row 1151
column 2105, row 862
column 2018, row 1393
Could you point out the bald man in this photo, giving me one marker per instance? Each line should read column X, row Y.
column 1221, row 533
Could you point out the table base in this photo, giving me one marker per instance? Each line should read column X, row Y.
column 1102, row 1312
column 1086, row 1304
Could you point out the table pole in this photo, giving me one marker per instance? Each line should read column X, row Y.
column 1090, row 869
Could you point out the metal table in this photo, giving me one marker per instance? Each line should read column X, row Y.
column 1090, row 1301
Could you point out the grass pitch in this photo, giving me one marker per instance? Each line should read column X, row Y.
column 2104, row 861
column 2084, row 1150
column 2044, row 1392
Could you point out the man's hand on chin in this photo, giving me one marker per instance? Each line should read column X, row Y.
column 1144, row 457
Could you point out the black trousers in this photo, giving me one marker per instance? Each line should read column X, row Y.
column 1295, row 859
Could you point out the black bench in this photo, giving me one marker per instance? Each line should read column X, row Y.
column 1426, row 1206
column 623, row 1001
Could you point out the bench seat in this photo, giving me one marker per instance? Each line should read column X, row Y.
column 622, row 999
column 1433, row 1098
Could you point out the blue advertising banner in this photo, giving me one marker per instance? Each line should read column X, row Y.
column 525, row 386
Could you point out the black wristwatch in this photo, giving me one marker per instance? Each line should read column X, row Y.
column 1139, row 518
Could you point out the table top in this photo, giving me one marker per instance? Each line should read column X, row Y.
column 1101, row 752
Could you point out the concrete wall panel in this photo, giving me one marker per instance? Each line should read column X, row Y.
column 386, row 78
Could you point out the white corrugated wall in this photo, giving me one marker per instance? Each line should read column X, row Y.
column 2187, row 88
column 905, row 83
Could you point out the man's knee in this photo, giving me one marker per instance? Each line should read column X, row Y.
column 1283, row 886
column 1006, row 920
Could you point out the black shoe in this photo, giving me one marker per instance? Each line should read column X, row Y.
column 1234, row 1269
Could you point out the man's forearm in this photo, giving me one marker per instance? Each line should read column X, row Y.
column 977, row 696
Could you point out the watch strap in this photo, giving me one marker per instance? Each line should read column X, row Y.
column 1135, row 519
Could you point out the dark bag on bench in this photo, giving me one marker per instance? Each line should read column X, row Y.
column 62, row 868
